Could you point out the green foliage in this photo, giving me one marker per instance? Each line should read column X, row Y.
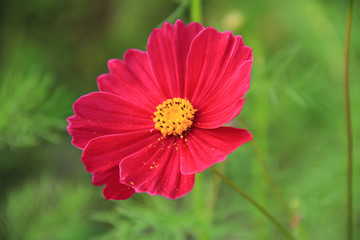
column 148, row 218
column 48, row 209
column 32, row 108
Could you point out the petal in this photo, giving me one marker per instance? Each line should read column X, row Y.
column 202, row 148
column 132, row 79
column 217, row 76
column 102, row 157
column 114, row 189
column 220, row 110
column 106, row 152
column 98, row 114
column 168, row 49
column 101, row 178
column 156, row 170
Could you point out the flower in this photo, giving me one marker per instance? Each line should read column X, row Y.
column 158, row 116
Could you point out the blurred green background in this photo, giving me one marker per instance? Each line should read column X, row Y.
column 51, row 53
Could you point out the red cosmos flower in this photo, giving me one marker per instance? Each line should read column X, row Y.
column 157, row 118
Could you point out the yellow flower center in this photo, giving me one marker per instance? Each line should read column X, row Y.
column 174, row 116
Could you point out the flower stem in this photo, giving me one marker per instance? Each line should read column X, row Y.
column 253, row 202
column 195, row 11
column 348, row 124
column 268, row 177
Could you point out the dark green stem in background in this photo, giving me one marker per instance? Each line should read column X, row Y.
column 177, row 13
column 268, row 177
column 348, row 125
column 195, row 11
column 253, row 202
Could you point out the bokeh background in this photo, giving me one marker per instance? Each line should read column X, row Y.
column 51, row 53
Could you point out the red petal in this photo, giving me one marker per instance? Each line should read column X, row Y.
column 101, row 178
column 205, row 147
column 156, row 170
column 132, row 79
column 103, row 155
column 106, row 152
column 217, row 76
column 168, row 49
column 98, row 114
column 114, row 189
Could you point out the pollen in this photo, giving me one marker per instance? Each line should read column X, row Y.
column 174, row 116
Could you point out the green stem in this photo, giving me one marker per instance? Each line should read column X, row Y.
column 195, row 11
column 177, row 13
column 213, row 193
column 253, row 202
column 348, row 125
column 268, row 177
column 198, row 207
